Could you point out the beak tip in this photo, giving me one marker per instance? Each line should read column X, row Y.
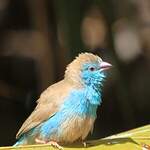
column 105, row 65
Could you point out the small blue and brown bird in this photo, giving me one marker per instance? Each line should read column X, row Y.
column 66, row 110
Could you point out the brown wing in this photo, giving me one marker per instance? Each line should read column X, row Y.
column 47, row 105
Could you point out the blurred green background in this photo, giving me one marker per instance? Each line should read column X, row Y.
column 38, row 38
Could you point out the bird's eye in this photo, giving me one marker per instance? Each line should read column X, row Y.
column 92, row 68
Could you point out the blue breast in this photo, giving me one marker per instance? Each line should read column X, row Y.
column 83, row 102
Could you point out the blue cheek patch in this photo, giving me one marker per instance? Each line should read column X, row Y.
column 92, row 77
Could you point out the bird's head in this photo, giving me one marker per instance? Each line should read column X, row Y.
column 87, row 69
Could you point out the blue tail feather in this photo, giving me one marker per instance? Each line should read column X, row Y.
column 21, row 141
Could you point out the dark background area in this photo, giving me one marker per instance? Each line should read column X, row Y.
column 38, row 38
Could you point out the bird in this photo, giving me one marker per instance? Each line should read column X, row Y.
column 66, row 111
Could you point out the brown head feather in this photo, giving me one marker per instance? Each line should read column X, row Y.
column 73, row 70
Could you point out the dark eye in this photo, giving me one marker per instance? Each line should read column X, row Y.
column 92, row 68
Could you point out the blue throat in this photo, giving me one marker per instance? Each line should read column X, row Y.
column 83, row 102
column 90, row 96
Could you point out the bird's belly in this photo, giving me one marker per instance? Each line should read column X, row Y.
column 75, row 128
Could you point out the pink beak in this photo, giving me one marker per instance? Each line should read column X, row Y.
column 105, row 65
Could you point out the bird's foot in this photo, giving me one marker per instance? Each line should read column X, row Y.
column 38, row 141
column 84, row 144
column 52, row 143
column 55, row 144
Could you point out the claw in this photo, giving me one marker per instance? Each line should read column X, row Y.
column 55, row 144
column 38, row 141
column 51, row 143
column 145, row 146
column 84, row 144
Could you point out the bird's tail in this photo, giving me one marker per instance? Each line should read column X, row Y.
column 21, row 141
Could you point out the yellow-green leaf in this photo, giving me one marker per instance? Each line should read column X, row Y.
column 137, row 139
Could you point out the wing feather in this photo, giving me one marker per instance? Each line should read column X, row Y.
column 47, row 105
